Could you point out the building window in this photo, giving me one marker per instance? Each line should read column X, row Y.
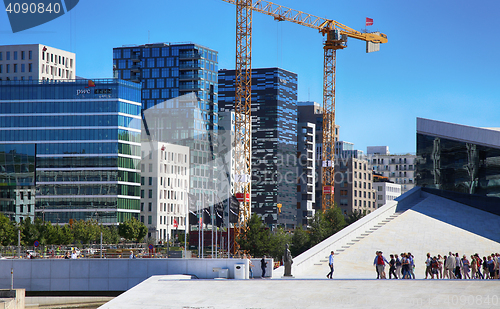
column 142, row 181
column 15, row 55
column 379, row 197
column 150, row 207
column 23, row 67
column 15, row 67
column 142, row 206
column 7, row 55
column 142, row 193
column 150, row 219
column 30, row 55
column 142, row 219
column 150, row 167
column 150, row 193
column 150, row 181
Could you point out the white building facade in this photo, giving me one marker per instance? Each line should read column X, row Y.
column 36, row 62
column 386, row 191
column 399, row 168
column 164, row 189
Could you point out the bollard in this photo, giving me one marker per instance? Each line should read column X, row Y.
column 12, row 278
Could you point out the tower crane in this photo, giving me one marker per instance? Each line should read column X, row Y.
column 336, row 38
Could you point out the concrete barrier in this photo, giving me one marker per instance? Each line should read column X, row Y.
column 106, row 274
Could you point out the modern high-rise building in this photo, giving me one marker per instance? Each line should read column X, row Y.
column 274, row 141
column 36, row 62
column 179, row 104
column 312, row 112
column 399, row 168
column 306, row 197
column 164, row 189
column 81, row 140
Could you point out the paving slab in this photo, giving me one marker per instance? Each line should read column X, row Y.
column 157, row 292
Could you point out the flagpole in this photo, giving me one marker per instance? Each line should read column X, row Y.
column 186, row 224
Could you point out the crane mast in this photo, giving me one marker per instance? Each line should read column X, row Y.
column 242, row 108
column 336, row 38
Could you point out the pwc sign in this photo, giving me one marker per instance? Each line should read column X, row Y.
column 26, row 14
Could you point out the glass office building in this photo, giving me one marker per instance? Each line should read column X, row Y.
column 274, row 141
column 459, row 162
column 86, row 136
column 179, row 104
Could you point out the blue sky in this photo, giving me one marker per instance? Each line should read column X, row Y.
column 440, row 61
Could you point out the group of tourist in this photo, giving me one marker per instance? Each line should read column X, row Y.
column 399, row 268
column 440, row 267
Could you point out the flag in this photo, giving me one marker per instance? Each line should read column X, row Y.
column 44, row 48
column 90, row 84
column 175, row 224
column 369, row 21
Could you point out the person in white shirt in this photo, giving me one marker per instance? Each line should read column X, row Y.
column 450, row 265
column 74, row 255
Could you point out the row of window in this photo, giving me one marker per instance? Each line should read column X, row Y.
column 68, row 120
column 80, row 162
column 89, row 189
column 55, row 71
column 58, row 59
column 69, row 135
column 82, row 176
column 16, row 68
column 15, row 55
column 80, row 107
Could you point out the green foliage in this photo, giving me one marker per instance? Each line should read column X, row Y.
column 354, row 216
column 334, row 220
column 257, row 240
column 279, row 240
column 133, row 230
column 7, row 231
column 110, row 235
column 86, row 231
column 29, row 232
column 300, row 241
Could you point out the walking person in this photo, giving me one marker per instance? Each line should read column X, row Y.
column 440, row 266
column 379, row 263
column 412, row 265
column 263, row 265
column 428, row 268
column 250, row 266
column 434, row 267
column 458, row 266
column 479, row 264
column 465, row 267
column 450, row 266
column 445, row 272
column 392, row 267
column 473, row 268
column 486, row 272
column 330, row 263
column 398, row 267
column 405, row 264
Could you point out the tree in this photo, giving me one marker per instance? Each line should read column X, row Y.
column 133, row 230
column 257, row 240
column 334, row 220
column 29, row 232
column 7, row 231
column 300, row 241
column 319, row 229
column 110, row 234
column 66, row 235
column 279, row 240
column 354, row 216
column 85, row 231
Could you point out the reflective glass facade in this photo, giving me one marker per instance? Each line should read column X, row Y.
column 458, row 166
column 87, row 139
column 274, row 140
column 179, row 104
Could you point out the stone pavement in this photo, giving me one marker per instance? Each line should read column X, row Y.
column 156, row 292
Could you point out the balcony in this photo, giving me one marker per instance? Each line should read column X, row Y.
column 135, row 69
column 189, row 65
column 190, row 86
column 189, row 55
column 135, row 58
column 189, row 76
